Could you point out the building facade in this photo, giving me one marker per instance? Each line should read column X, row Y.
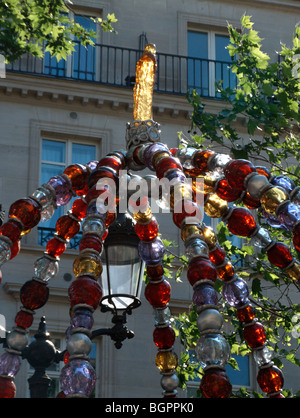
column 75, row 111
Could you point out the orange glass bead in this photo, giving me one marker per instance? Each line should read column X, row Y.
column 79, row 209
column 249, row 202
column 246, row 314
column 217, row 256
column 28, row 211
column 55, row 247
column 78, row 174
column 241, row 222
column 66, row 227
column 270, row 379
column 111, row 217
column 200, row 159
column 226, row 192
column 226, row 272
column 215, row 384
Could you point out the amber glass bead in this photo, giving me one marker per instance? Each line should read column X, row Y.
column 236, row 172
column 272, row 198
column 215, row 384
column 263, row 171
column 201, row 269
column 66, row 357
column 185, row 209
column 270, row 379
column 11, row 229
column 91, row 241
column 24, row 319
column 34, row 294
column 226, row 272
column 158, row 294
column 226, row 192
column 294, row 271
column 147, row 232
column 214, row 206
column 79, row 209
column 66, row 227
column 28, row 211
column 280, row 255
column 155, row 272
column 166, row 361
column 217, row 256
column 246, row 314
column 85, row 290
column 210, row 237
column 166, row 164
column 241, row 222
column 255, row 335
column 200, row 159
column 249, row 202
column 193, row 172
column 55, row 247
column 188, row 230
column 110, row 218
column 103, row 173
column 164, row 337
column 78, row 174
column 296, row 237
column 180, row 192
column 88, row 263
column 15, row 249
column 7, row 388
column 142, row 217
column 112, row 162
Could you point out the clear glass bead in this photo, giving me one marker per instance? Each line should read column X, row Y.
column 45, row 269
column 47, row 213
column 212, row 349
column 261, row 239
column 236, row 292
column 217, row 164
column 43, row 195
column 93, row 224
column 5, row 252
column 185, row 156
column 161, row 316
column 262, row 356
column 196, row 247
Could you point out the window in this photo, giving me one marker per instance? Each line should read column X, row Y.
column 208, row 62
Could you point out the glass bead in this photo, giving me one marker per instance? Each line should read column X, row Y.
column 236, row 292
column 43, row 195
column 97, row 208
column 24, row 319
column 263, row 171
column 236, row 171
column 62, row 190
column 93, row 224
column 112, row 162
column 28, row 211
column 209, row 319
column 147, row 232
column 175, row 177
column 111, row 217
column 17, row 340
column 214, row 206
column 55, row 247
column 284, row 182
column 34, row 294
column 226, row 192
column 91, row 241
column 45, row 268
column 210, row 237
column 272, row 220
column 85, row 290
column 155, row 272
column 88, row 263
column 241, row 222
column 79, row 344
column 82, row 318
column 204, row 294
column 150, row 152
column 272, row 198
column 249, row 202
column 166, row 361
column 255, row 335
column 151, row 252
column 164, row 337
column 262, row 238
column 185, row 156
column 108, row 176
column 11, row 229
column 217, row 256
column 158, row 294
column 294, row 271
column 215, row 384
column 9, row 364
column 289, row 214
column 162, row 316
column 78, row 377
column 270, row 379
column 200, row 159
column 15, row 249
column 188, row 211
column 66, row 227
column 201, row 269
column 47, row 213
column 296, row 237
column 256, row 185
column 246, row 314
column 79, row 209
column 226, row 272
column 78, row 175
column 5, row 251
column 181, row 192
column 212, row 350
column 217, row 163
column 187, row 230
column 166, row 164
column 196, row 247
column 279, row 255
column 262, row 356
column 7, row 388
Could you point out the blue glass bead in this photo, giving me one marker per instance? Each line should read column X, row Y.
column 236, row 292
column 288, row 215
column 82, row 318
column 152, row 252
column 205, row 294
column 272, row 220
column 212, row 350
column 284, row 182
column 62, row 190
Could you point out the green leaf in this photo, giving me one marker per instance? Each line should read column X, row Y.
column 246, row 22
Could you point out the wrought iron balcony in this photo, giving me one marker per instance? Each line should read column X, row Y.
column 45, row 234
column 115, row 66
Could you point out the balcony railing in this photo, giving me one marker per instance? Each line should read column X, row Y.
column 45, row 234
column 115, row 66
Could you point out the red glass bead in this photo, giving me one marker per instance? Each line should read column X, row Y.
column 66, row 227
column 79, row 209
column 263, row 171
column 201, row 269
column 270, row 379
column 241, row 222
column 173, row 151
column 61, row 394
column 226, row 272
column 85, row 290
column 250, row 203
column 28, row 211
column 296, row 237
column 78, row 174
column 255, row 335
column 217, row 256
column 215, row 384
column 184, row 209
column 11, row 229
column 105, row 234
column 164, row 337
column 165, row 164
column 7, row 388
column 147, row 232
column 155, row 272
column 103, row 174
column 193, row 172
column 236, row 171
column 246, row 314
column 111, row 217
column 226, row 192
column 158, row 294
column 112, row 162
column 55, row 247
column 34, row 294
column 201, row 158
column 24, row 319
column 15, row 249
column 104, row 192
column 280, row 255
column 66, row 357
column 91, row 241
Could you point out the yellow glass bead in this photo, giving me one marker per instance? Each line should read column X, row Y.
column 166, row 361
column 142, row 217
column 204, row 184
column 88, row 262
column 188, row 230
column 210, row 237
column 215, row 207
column 271, row 198
column 179, row 192
column 294, row 271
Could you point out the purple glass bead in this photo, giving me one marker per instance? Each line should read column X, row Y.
column 175, row 177
column 205, row 294
column 272, row 220
column 151, row 150
column 9, row 364
column 284, row 182
column 82, row 318
column 236, row 292
column 288, row 215
column 78, row 377
column 92, row 165
column 62, row 190
column 151, row 252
